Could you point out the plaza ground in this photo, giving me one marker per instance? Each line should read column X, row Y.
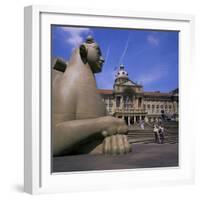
column 142, row 156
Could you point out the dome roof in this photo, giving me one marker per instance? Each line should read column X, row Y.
column 122, row 73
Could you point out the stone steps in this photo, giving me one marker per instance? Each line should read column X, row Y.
column 141, row 132
column 146, row 135
column 149, row 138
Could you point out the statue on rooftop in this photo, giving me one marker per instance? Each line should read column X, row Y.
column 79, row 121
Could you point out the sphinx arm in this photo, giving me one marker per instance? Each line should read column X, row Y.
column 70, row 133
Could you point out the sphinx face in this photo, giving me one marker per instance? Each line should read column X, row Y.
column 94, row 57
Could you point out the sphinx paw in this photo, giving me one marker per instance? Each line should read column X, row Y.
column 116, row 144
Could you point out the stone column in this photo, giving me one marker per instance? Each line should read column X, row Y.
column 129, row 123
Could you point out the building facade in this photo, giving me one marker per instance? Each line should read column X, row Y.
column 127, row 100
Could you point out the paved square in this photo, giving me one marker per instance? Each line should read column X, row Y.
column 142, row 156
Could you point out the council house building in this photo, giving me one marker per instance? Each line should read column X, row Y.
column 130, row 102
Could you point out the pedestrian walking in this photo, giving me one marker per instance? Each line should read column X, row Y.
column 161, row 134
column 156, row 134
column 142, row 124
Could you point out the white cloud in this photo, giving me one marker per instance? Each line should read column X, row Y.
column 75, row 35
column 153, row 40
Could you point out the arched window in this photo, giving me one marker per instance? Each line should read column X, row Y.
column 118, row 101
column 139, row 102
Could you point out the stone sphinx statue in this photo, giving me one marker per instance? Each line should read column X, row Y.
column 79, row 120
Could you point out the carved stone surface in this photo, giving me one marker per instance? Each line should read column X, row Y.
column 79, row 120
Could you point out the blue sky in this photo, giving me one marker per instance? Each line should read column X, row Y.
column 150, row 57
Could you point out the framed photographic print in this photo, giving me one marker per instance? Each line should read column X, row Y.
column 105, row 93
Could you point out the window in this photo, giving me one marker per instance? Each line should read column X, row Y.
column 126, row 101
column 139, row 102
column 153, row 108
column 110, row 102
column 118, row 100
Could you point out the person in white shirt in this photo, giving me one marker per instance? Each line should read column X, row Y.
column 156, row 134
column 161, row 134
column 142, row 124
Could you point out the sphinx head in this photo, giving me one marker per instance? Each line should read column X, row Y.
column 90, row 53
